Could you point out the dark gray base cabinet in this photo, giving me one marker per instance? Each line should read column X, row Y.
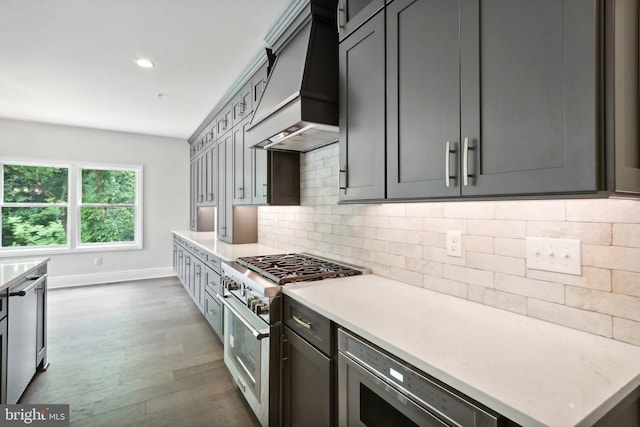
column 199, row 273
column 3, row 355
column 308, row 375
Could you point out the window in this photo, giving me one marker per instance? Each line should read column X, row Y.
column 35, row 205
column 39, row 213
column 108, row 207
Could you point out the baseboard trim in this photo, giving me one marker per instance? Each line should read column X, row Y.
column 54, row 282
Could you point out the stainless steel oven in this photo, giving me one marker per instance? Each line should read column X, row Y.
column 251, row 295
column 247, row 343
column 378, row 390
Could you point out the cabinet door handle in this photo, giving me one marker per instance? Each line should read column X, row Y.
column 340, row 16
column 465, row 162
column 240, row 192
column 343, row 178
column 301, row 322
column 447, row 162
column 264, row 190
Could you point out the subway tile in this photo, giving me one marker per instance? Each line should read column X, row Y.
column 587, row 232
column 613, row 257
column 363, row 256
column 405, row 249
column 482, row 244
column 536, row 210
column 498, row 299
column 443, row 224
column 356, row 220
column 426, row 238
column 624, row 306
column 588, row 321
column 354, row 242
column 390, row 260
column 538, row 289
column 390, row 209
column 626, row 330
column 626, row 282
column 405, row 223
column 377, row 221
column 479, row 210
column 425, row 210
column 469, row 275
column 592, row 278
column 626, row 235
column 445, row 286
column 510, row 247
column 432, row 268
column 497, row 263
column 604, row 210
column 440, row 255
column 496, row 228
column 376, row 245
column 406, row 276
column 392, row 235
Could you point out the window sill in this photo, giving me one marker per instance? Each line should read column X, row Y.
column 10, row 252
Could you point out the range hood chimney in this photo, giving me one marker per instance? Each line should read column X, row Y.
column 298, row 110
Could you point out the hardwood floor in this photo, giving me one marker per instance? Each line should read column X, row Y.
column 136, row 354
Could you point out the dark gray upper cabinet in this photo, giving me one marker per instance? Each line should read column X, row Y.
column 528, row 101
column 225, row 188
column 242, row 104
column 491, row 98
column 259, row 177
column 241, row 166
column 283, row 178
column 353, row 13
column 362, row 112
column 423, row 97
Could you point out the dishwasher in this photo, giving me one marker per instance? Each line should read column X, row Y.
column 22, row 336
column 376, row 389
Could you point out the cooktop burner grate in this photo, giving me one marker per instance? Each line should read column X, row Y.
column 291, row 268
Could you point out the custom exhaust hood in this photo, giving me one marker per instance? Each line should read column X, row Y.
column 298, row 110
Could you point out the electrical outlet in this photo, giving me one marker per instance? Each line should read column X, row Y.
column 454, row 243
column 97, row 261
column 557, row 255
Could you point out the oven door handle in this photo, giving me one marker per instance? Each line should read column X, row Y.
column 256, row 333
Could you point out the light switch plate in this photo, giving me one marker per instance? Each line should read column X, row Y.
column 454, row 243
column 556, row 255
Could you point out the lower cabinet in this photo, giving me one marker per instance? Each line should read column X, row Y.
column 307, row 362
column 3, row 355
column 199, row 273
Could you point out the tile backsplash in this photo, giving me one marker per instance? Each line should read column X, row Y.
column 406, row 242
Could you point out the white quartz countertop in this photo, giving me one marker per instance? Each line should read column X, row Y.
column 12, row 270
column 533, row 372
column 226, row 251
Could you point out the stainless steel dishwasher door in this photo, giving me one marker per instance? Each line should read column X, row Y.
column 21, row 338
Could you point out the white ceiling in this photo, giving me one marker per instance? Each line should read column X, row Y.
column 72, row 61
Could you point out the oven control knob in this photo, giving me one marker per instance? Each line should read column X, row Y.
column 230, row 284
column 253, row 303
column 262, row 308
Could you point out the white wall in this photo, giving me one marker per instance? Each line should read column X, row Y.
column 406, row 242
column 166, row 198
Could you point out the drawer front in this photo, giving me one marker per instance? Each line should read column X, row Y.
column 311, row 326
column 199, row 252
column 213, row 313
column 213, row 262
column 212, row 284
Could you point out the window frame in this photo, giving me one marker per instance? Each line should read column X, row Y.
column 73, row 206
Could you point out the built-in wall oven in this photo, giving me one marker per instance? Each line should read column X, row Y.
column 251, row 296
column 377, row 390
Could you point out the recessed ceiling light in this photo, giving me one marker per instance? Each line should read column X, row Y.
column 145, row 63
